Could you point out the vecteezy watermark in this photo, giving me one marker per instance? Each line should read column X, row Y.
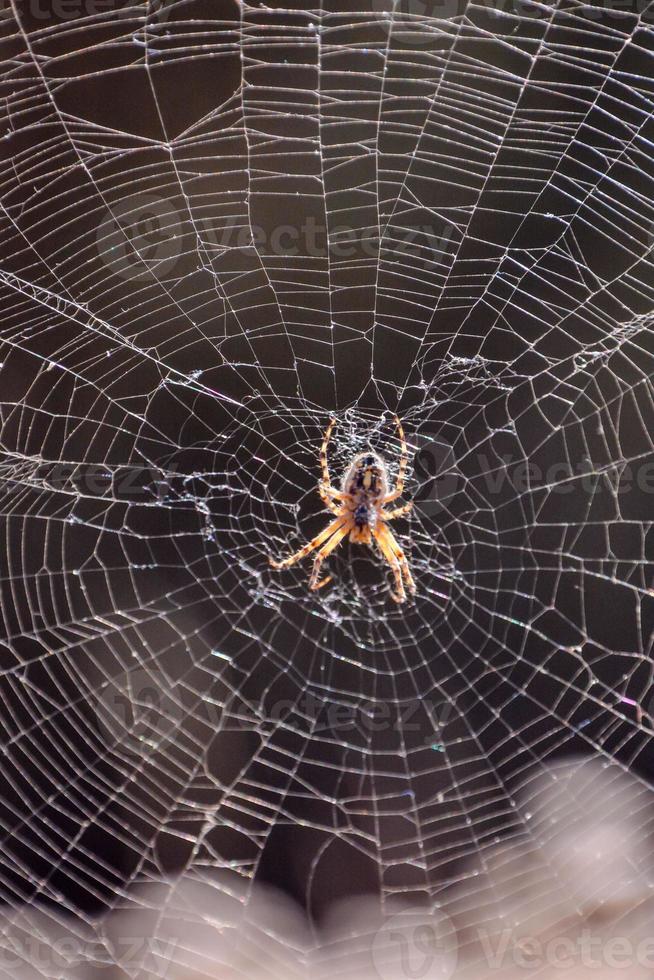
column 417, row 23
column 140, row 237
column 416, row 945
column 425, row 243
column 435, row 469
column 127, row 483
column 410, row 20
column 139, row 711
column 142, row 710
column 585, row 950
column 156, row 11
column 48, row 956
column 424, row 718
column 440, row 475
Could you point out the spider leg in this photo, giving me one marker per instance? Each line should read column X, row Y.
column 399, row 595
column 326, row 479
column 332, row 491
column 389, row 515
column 315, row 543
column 330, row 505
column 404, row 459
column 388, row 543
column 327, row 492
column 328, row 547
column 399, row 554
column 329, row 495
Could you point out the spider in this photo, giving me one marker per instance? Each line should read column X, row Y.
column 359, row 511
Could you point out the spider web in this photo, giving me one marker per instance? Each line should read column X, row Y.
column 221, row 223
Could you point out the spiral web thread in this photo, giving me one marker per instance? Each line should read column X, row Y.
column 221, row 224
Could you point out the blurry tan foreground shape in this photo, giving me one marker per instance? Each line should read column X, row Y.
column 568, row 898
column 577, row 879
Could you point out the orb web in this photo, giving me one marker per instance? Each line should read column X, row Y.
column 222, row 224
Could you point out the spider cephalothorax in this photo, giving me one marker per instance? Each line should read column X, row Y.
column 359, row 510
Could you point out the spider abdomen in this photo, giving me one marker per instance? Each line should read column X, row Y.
column 362, row 515
column 366, row 480
column 366, row 484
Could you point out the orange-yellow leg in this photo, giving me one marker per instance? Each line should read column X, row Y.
column 326, row 549
column 399, row 554
column 404, row 459
column 308, row 548
column 332, row 492
column 323, row 453
column 327, row 492
column 399, row 595
column 390, row 515
column 396, row 559
column 329, row 495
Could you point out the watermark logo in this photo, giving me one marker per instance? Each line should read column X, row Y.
column 440, row 476
column 48, row 955
column 417, row 23
column 156, row 11
column 140, row 238
column 424, row 244
column 129, row 483
column 410, row 21
column 416, row 945
column 419, row 718
column 139, row 711
column 587, row 951
column 435, row 469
